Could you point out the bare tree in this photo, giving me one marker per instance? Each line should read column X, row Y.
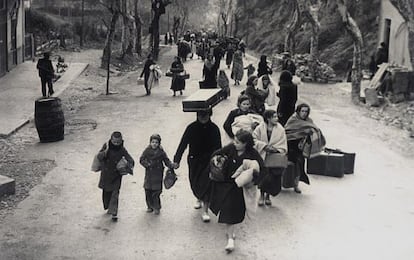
column 226, row 7
column 352, row 28
column 138, row 28
column 311, row 14
column 128, row 35
column 158, row 9
column 293, row 27
column 114, row 7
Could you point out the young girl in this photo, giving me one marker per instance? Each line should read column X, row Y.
column 153, row 159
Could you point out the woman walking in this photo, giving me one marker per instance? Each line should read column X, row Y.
column 227, row 199
column 288, row 95
column 263, row 68
column 238, row 68
column 146, row 72
column 302, row 135
column 257, row 96
column 243, row 108
column 266, row 83
column 177, row 82
column 269, row 138
column 210, row 72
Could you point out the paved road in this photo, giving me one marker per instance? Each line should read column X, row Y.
column 368, row 215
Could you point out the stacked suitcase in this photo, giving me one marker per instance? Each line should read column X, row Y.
column 332, row 162
column 203, row 100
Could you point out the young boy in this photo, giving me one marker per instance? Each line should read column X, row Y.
column 153, row 159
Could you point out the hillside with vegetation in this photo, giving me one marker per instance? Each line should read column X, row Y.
column 263, row 25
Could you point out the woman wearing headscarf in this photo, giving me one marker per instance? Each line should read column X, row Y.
column 263, row 68
column 177, row 83
column 266, row 83
column 227, row 199
column 223, row 83
column 257, row 96
column 270, row 137
column 303, row 137
column 237, row 70
column 288, row 95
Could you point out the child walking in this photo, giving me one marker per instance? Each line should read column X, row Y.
column 153, row 159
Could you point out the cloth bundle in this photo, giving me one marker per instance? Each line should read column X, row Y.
column 246, row 122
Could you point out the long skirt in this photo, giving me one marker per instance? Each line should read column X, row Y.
column 198, row 175
column 227, row 201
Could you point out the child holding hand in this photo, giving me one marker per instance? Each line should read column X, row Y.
column 153, row 159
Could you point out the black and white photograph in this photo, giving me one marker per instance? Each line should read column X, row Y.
column 206, row 129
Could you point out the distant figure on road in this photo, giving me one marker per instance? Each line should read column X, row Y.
column 153, row 159
column 177, row 82
column 203, row 138
column 46, row 73
column 229, row 55
column 288, row 95
column 210, row 72
column 110, row 180
column 237, row 69
column 146, row 72
column 223, row 83
column 250, row 70
column 263, row 67
column 227, row 199
column 302, row 134
column 289, row 65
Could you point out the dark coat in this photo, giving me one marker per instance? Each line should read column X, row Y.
column 153, row 161
column 177, row 83
column 45, row 68
column 263, row 69
column 110, row 179
column 210, row 75
column 146, row 70
column 257, row 97
column 229, row 55
column 202, row 140
column 226, row 199
column 288, row 95
column 291, row 67
column 230, row 119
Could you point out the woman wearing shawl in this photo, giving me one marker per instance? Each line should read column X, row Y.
column 243, row 108
column 302, row 134
column 223, row 83
column 288, row 95
column 177, row 83
column 238, row 68
column 265, row 83
column 257, row 96
column 210, row 72
column 270, row 137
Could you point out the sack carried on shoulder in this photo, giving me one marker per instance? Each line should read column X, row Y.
column 217, row 167
column 276, row 160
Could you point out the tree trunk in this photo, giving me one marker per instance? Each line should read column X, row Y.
column 353, row 29
column 236, row 25
column 176, row 25
column 82, row 24
column 311, row 14
column 138, row 29
column 292, row 28
column 109, row 39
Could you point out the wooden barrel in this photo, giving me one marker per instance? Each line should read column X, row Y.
column 49, row 119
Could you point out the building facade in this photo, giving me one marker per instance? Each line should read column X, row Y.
column 12, row 34
column 394, row 32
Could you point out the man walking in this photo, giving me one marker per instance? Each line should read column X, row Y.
column 46, row 73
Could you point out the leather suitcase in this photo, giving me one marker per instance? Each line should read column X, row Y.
column 349, row 160
column 288, row 178
column 327, row 164
column 203, row 99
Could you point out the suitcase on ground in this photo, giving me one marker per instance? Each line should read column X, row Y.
column 349, row 159
column 202, row 100
column 326, row 164
column 288, row 178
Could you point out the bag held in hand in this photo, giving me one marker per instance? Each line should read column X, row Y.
column 170, row 178
column 123, row 167
column 276, row 160
column 96, row 164
column 217, row 167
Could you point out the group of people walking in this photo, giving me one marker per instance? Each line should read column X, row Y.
column 258, row 128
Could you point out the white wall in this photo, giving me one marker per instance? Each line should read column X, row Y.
column 398, row 48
